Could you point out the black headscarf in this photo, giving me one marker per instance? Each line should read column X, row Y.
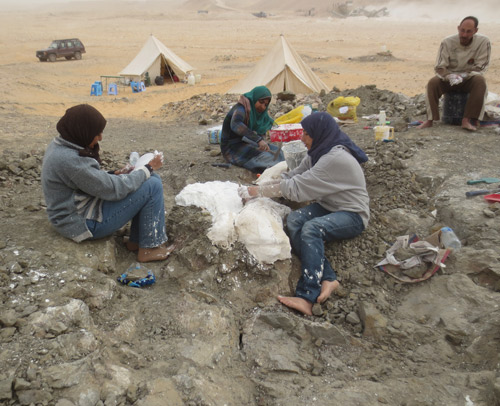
column 80, row 125
column 326, row 134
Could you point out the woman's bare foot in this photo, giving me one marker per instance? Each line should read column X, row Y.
column 155, row 254
column 131, row 246
column 425, row 124
column 297, row 303
column 327, row 288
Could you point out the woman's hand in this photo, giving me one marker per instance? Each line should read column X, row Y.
column 126, row 169
column 248, row 193
column 157, row 162
column 253, row 191
column 263, row 146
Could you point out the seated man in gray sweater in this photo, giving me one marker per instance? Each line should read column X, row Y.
column 331, row 176
column 85, row 202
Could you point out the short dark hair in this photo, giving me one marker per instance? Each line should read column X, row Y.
column 476, row 21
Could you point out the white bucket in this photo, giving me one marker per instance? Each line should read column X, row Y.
column 191, row 79
column 197, row 78
column 294, row 152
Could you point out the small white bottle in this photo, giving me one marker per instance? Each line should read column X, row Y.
column 134, row 156
column 449, row 239
column 381, row 117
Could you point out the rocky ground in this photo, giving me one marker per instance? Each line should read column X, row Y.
column 210, row 331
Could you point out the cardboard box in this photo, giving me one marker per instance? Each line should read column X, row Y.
column 286, row 133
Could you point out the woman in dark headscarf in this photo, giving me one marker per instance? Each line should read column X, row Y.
column 243, row 131
column 85, row 202
column 331, row 176
column 79, row 125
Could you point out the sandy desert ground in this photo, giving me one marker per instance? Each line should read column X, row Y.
column 210, row 331
column 222, row 45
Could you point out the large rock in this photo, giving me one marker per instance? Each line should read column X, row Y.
column 6, row 388
column 34, row 396
column 453, row 302
column 280, row 342
column 75, row 313
column 159, row 391
column 204, row 333
column 66, row 375
column 482, row 265
column 326, row 332
column 374, row 322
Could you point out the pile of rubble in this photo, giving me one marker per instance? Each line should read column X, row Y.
column 210, row 109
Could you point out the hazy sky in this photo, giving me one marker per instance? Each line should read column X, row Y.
column 27, row 3
column 485, row 10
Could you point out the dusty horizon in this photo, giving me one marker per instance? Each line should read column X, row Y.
column 413, row 10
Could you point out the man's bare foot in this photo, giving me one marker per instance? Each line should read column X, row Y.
column 425, row 124
column 297, row 303
column 327, row 288
column 467, row 125
column 155, row 254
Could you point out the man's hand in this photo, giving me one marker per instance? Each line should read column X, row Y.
column 454, row 79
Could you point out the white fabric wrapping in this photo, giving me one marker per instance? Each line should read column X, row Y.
column 258, row 225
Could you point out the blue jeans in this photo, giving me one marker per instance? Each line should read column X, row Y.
column 308, row 228
column 146, row 210
column 264, row 160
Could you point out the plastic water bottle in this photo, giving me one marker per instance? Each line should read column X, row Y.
column 449, row 239
column 134, row 156
column 382, row 118
column 306, row 111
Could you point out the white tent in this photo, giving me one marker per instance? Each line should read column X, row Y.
column 155, row 58
column 281, row 69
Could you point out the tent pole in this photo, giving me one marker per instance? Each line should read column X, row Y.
column 169, row 69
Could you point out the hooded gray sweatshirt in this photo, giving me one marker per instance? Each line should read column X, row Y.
column 336, row 182
column 75, row 187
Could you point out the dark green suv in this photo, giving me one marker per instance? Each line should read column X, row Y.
column 62, row 48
